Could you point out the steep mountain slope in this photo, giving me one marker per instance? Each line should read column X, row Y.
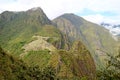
column 18, row 28
column 95, row 37
column 31, row 36
column 74, row 64
column 12, row 69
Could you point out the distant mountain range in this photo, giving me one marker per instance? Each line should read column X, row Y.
column 113, row 29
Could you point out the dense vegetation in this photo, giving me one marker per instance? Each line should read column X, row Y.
column 12, row 68
column 76, row 63
column 112, row 71
column 17, row 29
column 40, row 58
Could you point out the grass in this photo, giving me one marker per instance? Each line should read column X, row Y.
column 39, row 58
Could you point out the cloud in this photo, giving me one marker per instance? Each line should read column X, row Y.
column 94, row 18
column 106, row 5
column 98, row 18
column 54, row 8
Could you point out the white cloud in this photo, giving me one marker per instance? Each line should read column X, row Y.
column 54, row 8
column 94, row 18
column 98, row 18
column 106, row 5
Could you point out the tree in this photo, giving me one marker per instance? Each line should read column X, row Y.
column 48, row 73
column 112, row 71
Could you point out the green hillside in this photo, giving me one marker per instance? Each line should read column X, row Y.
column 95, row 37
column 12, row 68
column 74, row 64
column 32, row 37
column 17, row 29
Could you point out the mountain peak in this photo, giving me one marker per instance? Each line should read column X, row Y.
column 38, row 14
column 35, row 14
column 71, row 15
column 35, row 9
column 74, row 19
column 68, row 14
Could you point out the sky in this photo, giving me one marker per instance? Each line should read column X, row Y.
column 96, row 11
